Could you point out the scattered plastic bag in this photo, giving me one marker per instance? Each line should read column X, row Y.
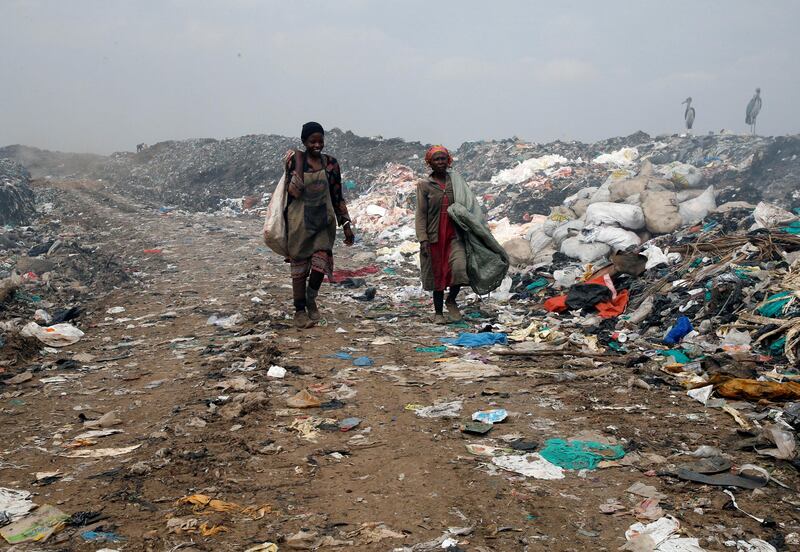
column 303, row 399
column 450, row 409
column 58, row 335
column 226, row 322
column 15, row 504
column 484, row 339
column 529, row 465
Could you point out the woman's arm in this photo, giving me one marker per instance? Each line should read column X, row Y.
column 337, row 196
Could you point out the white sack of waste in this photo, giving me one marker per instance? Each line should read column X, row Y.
column 58, row 335
column 695, row 210
column 585, row 252
column 615, row 214
column 539, row 240
column 583, row 193
column 566, row 230
column 682, row 174
column 660, row 212
column 618, row 238
column 519, row 251
column 768, row 216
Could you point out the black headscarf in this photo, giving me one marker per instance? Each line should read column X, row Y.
column 309, row 129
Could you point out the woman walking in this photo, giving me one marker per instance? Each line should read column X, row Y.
column 442, row 255
column 315, row 205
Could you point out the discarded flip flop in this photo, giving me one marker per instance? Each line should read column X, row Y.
column 710, row 465
column 722, row 479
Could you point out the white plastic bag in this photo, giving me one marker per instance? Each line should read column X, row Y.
column 58, row 335
column 695, row 210
column 616, row 214
column 274, row 222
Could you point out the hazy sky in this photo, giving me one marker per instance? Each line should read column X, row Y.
column 103, row 75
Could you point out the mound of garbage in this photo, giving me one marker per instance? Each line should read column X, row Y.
column 516, row 179
column 202, row 175
column 16, row 197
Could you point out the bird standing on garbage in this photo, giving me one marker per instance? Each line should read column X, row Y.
column 753, row 107
column 688, row 115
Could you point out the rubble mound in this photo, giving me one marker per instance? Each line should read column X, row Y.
column 200, row 174
column 16, row 197
column 516, row 179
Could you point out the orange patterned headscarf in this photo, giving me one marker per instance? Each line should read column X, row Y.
column 433, row 150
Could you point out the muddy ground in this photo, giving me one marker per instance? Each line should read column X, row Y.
column 163, row 371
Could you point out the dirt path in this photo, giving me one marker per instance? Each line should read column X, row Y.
column 173, row 381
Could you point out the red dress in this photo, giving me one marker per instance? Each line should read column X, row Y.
column 440, row 251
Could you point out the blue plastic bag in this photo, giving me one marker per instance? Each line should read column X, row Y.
column 484, row 339
column 678, row 331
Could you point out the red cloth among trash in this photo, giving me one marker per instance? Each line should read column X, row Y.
column 344, row 274
column 615, row 307
column 606, row 309
column 556, row 304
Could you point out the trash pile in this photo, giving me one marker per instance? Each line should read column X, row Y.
column 47, row 273
column 202, row 174
column 517, row 179
column 16, row 196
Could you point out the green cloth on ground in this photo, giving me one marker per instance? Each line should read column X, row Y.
column 676, row 354
column 579, row 455
column 773, row 306
column 541, row 282
column 437, row 349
